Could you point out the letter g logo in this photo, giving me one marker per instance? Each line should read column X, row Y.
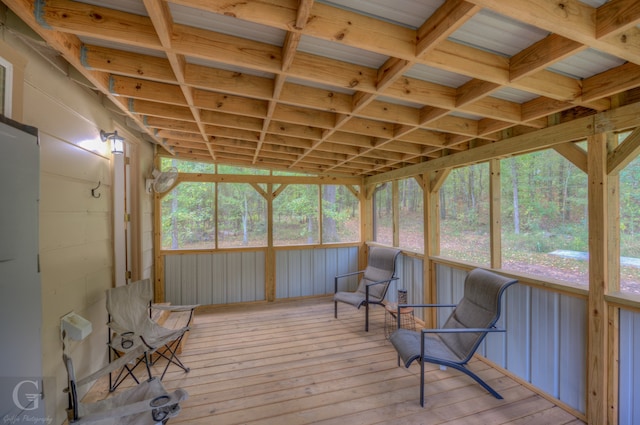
column 32, row 398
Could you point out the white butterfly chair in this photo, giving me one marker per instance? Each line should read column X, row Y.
column 144, row 404
column 131, row 326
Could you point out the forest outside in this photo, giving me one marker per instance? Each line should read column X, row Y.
column 544, row 222
column 201, row 215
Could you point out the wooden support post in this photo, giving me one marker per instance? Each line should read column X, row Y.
column 158, row 272
column 613, row 282
column 366, row 222
column 597, row 352
column 495, row 228
column 270, row 256
column 431, row 186
column 395, row 205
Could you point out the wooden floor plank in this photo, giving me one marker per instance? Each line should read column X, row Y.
column 293, row 363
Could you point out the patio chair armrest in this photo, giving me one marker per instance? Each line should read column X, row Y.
column 335, row 280
column 349, row 274
column 175, row 307
column 128, row 357
column 426, row 305
column 462, row 330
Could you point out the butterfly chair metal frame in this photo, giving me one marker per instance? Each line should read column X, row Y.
column 131, row 325
column 144, row 404
column 375, row 281
column 456, row 342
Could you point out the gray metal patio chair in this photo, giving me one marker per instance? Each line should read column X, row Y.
column 373, row 286
column 455, row 343
column 144, row 404
column 130, row 325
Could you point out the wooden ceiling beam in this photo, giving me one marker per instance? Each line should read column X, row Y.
column 610, row 82
column 615, row 16
column 127, row 63
column 624, row 153
column 83, row 19
column 576, row 21
column 162, row 21
column 541, row 55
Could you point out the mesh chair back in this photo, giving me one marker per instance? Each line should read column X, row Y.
column 381, row 266
column 479, row 308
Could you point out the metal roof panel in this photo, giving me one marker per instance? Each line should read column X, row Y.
column 226, row 25
column 486, row 31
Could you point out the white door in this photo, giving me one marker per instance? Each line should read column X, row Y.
column 20, row 291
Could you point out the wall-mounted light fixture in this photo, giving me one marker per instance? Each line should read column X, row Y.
column 117, row 141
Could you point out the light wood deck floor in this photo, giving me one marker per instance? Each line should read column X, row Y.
column 291, row 363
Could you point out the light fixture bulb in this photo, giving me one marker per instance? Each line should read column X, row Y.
column 117, row 141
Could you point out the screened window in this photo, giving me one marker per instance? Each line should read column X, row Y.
column 383, row 214
column 465, row 216
column 544, row 216
column 230, row 169
column 340, row 215
column 187, row 166
column 232, row 214
column 411, row 215
column 188, row 217
column 630, row 228
column 242, row 216
column 295, row 215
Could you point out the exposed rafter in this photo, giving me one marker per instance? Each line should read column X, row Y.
column 258, row 83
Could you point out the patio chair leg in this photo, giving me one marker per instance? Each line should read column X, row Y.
column 171, row 358
column 421, row 384
column 125, row 371
column 366, row 318
column 478, row 380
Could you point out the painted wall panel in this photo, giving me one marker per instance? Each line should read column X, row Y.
column 234, row 277
column 204, row 268
column 215, row 278
column 295, row 274
column 321, row 281
column 572, row 353
column 172, row 276
column 218, row 282
column 254, row 277
column 344, row 260
column 188, row 280
column 308, row 272
column 282, row 274
column 545, row 340
column 517, row 314
column 331, row 269
column 629, row 393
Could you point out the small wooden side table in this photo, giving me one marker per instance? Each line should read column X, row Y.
column 391, row 321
